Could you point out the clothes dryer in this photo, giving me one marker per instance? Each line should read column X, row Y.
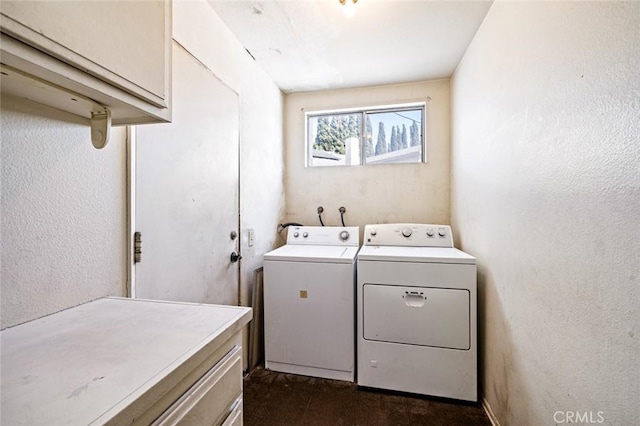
column 309, row 287
column 416, row 312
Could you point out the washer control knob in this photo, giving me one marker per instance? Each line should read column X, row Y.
column 407, row 232
column 430, row 232
column 306, row 234
column 441, row 232
column 373, row 232
column 296, row 234
column 344, row 235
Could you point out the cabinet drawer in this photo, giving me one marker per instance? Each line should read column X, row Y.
column 215, row 398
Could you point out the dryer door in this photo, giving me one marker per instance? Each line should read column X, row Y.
column 424, row 316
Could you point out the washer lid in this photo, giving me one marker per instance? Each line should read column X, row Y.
column 415, row 254
column 317, row 254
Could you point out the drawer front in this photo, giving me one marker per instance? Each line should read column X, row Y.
column 213, row 398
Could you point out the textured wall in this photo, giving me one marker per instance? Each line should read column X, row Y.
column 375, row 193
column 63, row 213
column 546, row 194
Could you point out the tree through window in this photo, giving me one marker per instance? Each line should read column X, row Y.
column 366, row 136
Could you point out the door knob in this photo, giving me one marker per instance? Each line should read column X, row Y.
column 235, row 257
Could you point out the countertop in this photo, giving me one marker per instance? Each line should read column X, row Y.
column 107, row 358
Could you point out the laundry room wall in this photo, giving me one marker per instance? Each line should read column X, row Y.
column 63, row 212
column 375, row 193
column 63, row 203
column 546, row 194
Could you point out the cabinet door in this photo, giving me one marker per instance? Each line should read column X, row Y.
column 125, row 43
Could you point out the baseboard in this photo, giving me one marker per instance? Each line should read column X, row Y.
column 489, row 411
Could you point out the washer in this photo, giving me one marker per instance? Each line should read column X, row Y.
column 416, row 312
column 309, row 303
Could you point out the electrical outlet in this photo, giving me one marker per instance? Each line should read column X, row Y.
column 250, row 237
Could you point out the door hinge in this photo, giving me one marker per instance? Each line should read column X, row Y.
column 137, row 247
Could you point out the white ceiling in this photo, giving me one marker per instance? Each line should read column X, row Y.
column 307, row 45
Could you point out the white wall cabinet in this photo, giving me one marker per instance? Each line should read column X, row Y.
column 125, row 361
column 81, row 56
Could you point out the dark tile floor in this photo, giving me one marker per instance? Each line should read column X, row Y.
column 287, row 399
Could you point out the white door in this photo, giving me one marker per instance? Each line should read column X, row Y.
column 422, row 316
column 186, row 192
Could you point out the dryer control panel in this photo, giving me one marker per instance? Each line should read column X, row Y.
column 348, row 236
column 408, row 235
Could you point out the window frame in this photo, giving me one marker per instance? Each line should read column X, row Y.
column 409, row 106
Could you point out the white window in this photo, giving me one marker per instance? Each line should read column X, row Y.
column 379, row 135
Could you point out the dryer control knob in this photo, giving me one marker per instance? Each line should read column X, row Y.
column 442, row 232
column 344, row 235
column 430, row 232
column 407, row 232
column 373, row 232
column 296, row 234
column 306, row 234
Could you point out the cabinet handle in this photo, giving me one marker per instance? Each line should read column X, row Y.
column 231, row 410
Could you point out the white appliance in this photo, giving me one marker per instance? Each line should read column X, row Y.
column 416, row 312
column 309, row 287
